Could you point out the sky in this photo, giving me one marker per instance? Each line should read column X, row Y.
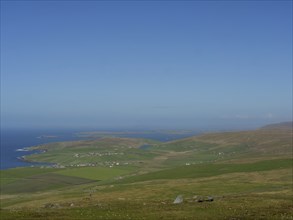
column 145, row 64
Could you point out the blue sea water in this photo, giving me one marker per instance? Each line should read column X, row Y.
column 14, row 139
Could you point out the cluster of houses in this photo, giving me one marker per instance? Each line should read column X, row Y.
column 99, row 154
column 102, row 163
column 95, row 164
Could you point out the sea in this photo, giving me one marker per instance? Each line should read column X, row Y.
column 14, row 142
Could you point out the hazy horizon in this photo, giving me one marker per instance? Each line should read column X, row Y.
column 145, row 64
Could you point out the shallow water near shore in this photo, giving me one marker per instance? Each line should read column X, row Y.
column 14, row 143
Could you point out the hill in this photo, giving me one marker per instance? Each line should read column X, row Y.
column 280, row 126
column 269, row 142
column 248, row 174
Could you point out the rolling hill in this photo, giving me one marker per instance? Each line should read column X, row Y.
column 247, row 173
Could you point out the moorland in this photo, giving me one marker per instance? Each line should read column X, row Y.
column 222, row 175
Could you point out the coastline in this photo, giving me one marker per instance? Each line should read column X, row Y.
column 17, row 144
column 14, row 151
column 35, row 163
column 33, row 150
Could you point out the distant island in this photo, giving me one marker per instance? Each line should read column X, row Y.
column 98, row 134
column 47, row 136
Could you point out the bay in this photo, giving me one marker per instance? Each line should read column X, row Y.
column 14, row 142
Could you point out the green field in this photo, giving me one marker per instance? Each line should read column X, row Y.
column 248, row 174
column 94, row 173
column 208, row 170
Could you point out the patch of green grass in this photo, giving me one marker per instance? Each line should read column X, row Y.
column 185, row 145
column 94, row 173
column 190, row 158
column 207, row 170
column 41, row 182
column 24, row 172
column 11, row 175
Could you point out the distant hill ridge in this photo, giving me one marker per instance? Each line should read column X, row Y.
column 282, row 125
column 271, row 141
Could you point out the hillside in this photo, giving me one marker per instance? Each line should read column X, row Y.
column 279, row 126
column 248, row 174
column 227, row 147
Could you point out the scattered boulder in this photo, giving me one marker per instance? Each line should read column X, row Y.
column 209, row 199
column 200, row 200
column 178, row 200
column 51, row 205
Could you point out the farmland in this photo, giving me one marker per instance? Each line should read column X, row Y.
column 248, row 174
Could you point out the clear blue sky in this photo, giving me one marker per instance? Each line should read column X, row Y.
column 145, row 64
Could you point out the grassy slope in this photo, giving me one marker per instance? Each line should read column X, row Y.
column 41, row 182
column 250, row 179
column 28, row 180
column 252, row 195
column 95, row 173
column 207, row 170
column 275, row 142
